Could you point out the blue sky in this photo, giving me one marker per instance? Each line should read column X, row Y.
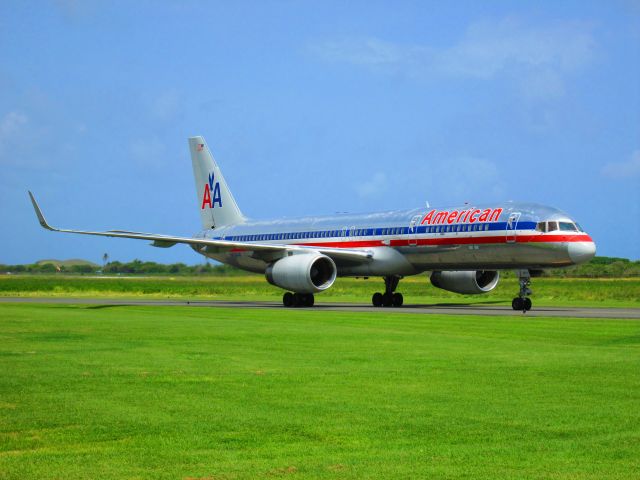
column 313, row 107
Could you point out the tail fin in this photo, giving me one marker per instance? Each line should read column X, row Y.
column 215, row 201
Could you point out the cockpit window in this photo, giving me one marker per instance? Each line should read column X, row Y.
column 568, row 227
column 552, row 226
column 579, row 227
column 541, row 226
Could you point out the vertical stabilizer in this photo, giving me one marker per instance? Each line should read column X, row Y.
column 215, row 201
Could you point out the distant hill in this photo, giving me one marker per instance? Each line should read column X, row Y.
column 68, row 263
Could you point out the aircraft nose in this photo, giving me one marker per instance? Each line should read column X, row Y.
column 580, row 252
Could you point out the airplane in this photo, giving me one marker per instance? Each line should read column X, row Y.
column 464, row 247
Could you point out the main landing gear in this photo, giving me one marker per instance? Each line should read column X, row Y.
column 388, row 298
column 522, row 301
column 298, row 299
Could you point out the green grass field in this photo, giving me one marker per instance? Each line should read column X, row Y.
column 178, row 392
column 417, row 290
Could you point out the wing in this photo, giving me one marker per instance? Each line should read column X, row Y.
column 265, row 251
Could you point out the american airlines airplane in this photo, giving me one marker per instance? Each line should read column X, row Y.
column 463, row 247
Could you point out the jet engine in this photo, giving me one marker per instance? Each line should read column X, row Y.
column 302, row 273
column 467, row 282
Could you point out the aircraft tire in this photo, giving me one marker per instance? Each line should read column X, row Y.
column 387, row 299
column 287, row 299
column 298, row 300
column 517, row 303
column 376, row 300
column 397, row 299
column 309, row 300
column 527, row 304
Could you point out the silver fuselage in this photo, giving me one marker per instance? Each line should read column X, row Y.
column 408, row 242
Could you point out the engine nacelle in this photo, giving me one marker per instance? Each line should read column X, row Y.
column 302, row 273
column 467, row 282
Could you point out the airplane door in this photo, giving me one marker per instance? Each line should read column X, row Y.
column 413, row 235
column 512, row 225
column 352, row 234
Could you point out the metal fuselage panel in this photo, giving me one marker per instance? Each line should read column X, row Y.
column 412, row 241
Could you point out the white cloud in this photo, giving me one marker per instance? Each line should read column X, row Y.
column 490, row 47
column 470, row 178
column 372, row 186
column 537, row 57
column 371, row 52
column 148, row 151
column 12, row 133
column 166, row 105
column 626, row 169
column 11, row 124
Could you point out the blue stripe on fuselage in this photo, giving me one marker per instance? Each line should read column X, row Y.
column 377, row 232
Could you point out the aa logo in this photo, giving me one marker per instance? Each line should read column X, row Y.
column 211, row 194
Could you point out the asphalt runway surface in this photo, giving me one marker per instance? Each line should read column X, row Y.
column 441, row 308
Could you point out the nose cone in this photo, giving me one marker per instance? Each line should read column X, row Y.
column 580, row 252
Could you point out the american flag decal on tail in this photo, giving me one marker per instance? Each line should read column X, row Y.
column 200, row 147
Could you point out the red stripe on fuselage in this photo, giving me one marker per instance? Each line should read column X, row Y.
column 545, row 238
column 452, row 241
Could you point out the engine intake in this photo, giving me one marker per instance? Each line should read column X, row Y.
column 303, row 273
column 466, row 282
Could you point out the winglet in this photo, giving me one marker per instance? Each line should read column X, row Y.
column 41, row 218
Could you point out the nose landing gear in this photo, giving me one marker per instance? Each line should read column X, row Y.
column 522, row 301
column 390, row 298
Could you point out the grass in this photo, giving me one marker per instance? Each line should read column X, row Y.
column 417, row 290
column 175, row 392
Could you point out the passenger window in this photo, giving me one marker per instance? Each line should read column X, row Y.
column 552, row 226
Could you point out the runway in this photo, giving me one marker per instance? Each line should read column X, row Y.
column 440, row 309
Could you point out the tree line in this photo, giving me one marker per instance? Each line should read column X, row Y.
column 135, row 267
column 598, row 267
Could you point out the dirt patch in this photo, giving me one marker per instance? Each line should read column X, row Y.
column 279, row 472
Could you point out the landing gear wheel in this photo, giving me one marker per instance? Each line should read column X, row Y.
column 287, row 299
column 522, row 301
column 523, row 304
column 309, row 300
column 397, row 300
column 387, row 299
column 298, row 299
column 377, row 299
